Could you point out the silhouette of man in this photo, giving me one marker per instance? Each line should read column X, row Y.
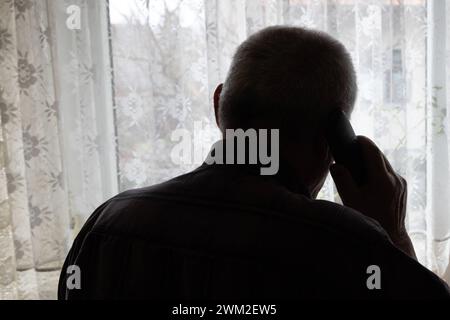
column 228, row 231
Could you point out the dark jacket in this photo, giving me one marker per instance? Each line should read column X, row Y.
column 224, row 231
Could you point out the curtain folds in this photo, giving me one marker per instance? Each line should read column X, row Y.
column 87, row 112
column 56, row 93
column 438, row 134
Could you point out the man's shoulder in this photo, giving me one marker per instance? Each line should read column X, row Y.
column 200, row 202
column 336, row 217
column 209, row 189
column 275, row 209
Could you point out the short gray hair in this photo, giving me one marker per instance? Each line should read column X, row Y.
column 288, row 78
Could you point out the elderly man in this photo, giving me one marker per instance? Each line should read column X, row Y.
column 225, row 230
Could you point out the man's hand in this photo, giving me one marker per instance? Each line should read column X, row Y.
column 381, row 197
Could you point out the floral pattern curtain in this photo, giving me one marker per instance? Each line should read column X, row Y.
column 89, row 112
column 55, row 93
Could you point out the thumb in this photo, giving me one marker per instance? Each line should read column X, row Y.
column 345, row 184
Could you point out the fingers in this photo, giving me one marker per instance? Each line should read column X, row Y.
column 402, row 199
column 345, row 184
column 374, row 160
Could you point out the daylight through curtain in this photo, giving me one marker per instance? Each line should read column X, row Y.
column 87, row 112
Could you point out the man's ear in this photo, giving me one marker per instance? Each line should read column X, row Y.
column 216, row 102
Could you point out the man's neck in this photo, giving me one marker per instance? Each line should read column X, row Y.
column 285, row 175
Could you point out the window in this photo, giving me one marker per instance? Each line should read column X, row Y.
column 89, row 107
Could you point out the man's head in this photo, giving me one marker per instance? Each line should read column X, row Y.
column 289, row 78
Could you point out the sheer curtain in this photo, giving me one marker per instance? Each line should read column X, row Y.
column 57, row 150
column 73, row 133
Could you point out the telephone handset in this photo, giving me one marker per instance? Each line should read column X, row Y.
column 343, row 145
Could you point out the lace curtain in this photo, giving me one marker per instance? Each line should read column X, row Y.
column 89, row 112
column 57, row 137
